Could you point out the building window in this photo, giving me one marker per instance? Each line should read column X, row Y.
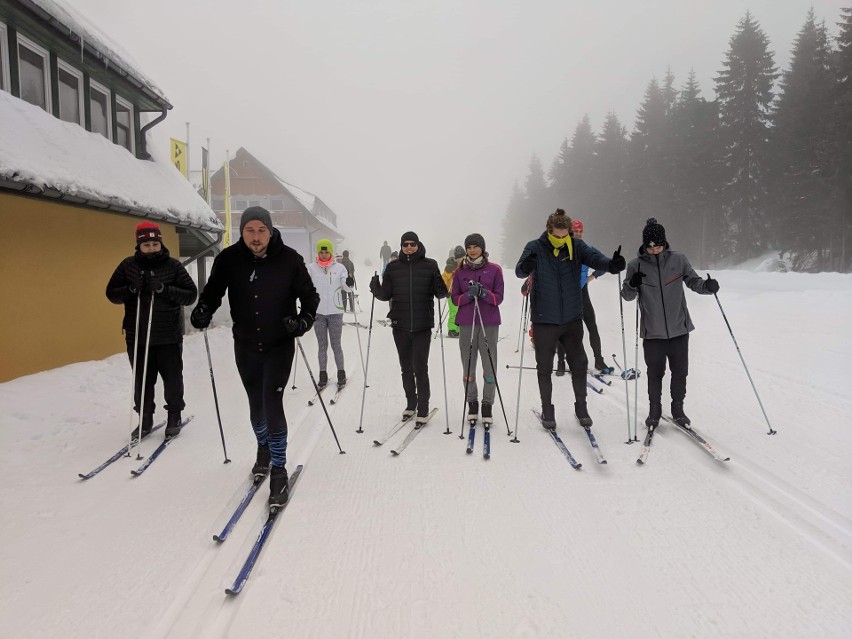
column 4, row 59
column 33, row 67
column 70, row 93
column 276, row 204
column 124, row 123
column 240, row 205
column 101, row 114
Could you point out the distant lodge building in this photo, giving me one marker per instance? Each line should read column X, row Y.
column 75, row 180
column 301, row 217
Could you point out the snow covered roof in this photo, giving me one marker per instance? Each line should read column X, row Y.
column 65, row 161
column 77, row 26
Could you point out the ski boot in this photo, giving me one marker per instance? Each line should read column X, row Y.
column 602, row 367
column 173, row 425
column 279, row 489
column 560, row 367
column 548, row 417
column 323, row 380
column 678, row 416
column 422, row 417
column 582, row 414
column 341, row 378
column 655, row 411
column 486, row 415
column 147, row 426
column 472, row 412
column 264, row 458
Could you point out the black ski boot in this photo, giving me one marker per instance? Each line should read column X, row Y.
column 422, row 416
column 472, row 411
column 678, row 415
column 655, row 411
column 264, row 458
column 323, row 380
column 560, row 367
column 548, row 417
column 582, row 414
column 279, row 489
column 173, row 425
column 486, row 415
column 602, row 367
column 341, row 378
column 147, row 426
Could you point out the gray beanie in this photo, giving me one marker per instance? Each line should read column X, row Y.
column 256, row 213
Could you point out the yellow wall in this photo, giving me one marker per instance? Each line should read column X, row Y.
column 55, row 262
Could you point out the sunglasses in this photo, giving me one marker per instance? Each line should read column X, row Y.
column 407, row 244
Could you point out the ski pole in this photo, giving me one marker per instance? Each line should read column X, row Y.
column 624, row 350
column 358, row 334
column 367, row 364
column 145, row 372
column 772, row 431
column 133, row 415
column 467, row 376
column 322, row 403
column 520, row 372
column 216, row 397
column 444, row 365
column 295, row 368
column 636, row 368
column 477, row 313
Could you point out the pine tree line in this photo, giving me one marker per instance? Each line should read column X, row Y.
column 765, row 166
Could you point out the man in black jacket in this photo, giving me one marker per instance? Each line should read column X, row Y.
column 555, row 261
column 150, row 274
column 263, row 278
column 410, row 284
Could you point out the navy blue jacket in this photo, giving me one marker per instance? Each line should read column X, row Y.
column 556, row 296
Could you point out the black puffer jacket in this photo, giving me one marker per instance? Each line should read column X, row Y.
column 262, row 291
column 556, row 296
column 410, row 284
column 179, row 290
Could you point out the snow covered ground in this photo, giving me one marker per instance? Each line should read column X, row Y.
column 437, row 543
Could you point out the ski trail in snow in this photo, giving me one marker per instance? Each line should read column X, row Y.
column 200, row 608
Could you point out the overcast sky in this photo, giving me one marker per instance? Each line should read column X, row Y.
column 409, row 114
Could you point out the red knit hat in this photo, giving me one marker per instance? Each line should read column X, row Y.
column 576, row 225
column 148, row 232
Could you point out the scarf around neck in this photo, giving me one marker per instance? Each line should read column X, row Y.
column 478, row 263
column 558, row 242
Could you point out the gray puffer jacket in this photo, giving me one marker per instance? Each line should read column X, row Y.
column 661, row 298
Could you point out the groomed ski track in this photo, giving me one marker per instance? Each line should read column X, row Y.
column 436, row 542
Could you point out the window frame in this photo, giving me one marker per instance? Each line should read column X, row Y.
column 97, row 86
column 5, row 68
column 119, row 101
column 61, row 65
column 39, row 50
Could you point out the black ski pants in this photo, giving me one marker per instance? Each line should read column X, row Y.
column 570, row 337
column 676, row 350
column 165, row 360
column 591, row 325
column 413, row 350
column 264, row 375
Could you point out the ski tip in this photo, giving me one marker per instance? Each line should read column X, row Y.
column 218, row 538
column 82, row 476
column 469, row 451
column 394, row 453
column 376, row 442
column 603, row 461
column 640, row 462
column 232, row 591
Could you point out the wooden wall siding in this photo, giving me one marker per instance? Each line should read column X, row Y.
column 55, row 262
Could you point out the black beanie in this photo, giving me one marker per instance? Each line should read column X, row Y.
column 475, row 239
column 653, row 234
column 409, row 236
column 256, row 213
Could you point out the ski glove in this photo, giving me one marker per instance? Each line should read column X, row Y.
column 201, row 316
column 152, row 283
column 617, row 263
column 350, row 281
column 135, row 282
column 299, row 325
column 711, row 285
column 529, row 263
column 375, row 285
column 475, row 289
column 635, row 280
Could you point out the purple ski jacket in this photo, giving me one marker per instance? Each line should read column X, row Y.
column 491, row 278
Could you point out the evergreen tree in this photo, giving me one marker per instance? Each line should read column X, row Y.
column 573, row 182
column 696, row 153
column 744, row 90
column 803, row 144
column 514, row 226
column 842, row 239
column 650, row 162
column 609, row 211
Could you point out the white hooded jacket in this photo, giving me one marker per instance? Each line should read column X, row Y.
column 330, row 283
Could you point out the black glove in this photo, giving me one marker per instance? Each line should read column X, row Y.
column 635, row 280
column 525, row 288
column 201, row 316
column 375, row 285
column 299, row 325
column 475, row 290
column 152, row 283
column 529, row 263
column 350, row 281
column 711, row 285
column 617, row 263
column 135, row 282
